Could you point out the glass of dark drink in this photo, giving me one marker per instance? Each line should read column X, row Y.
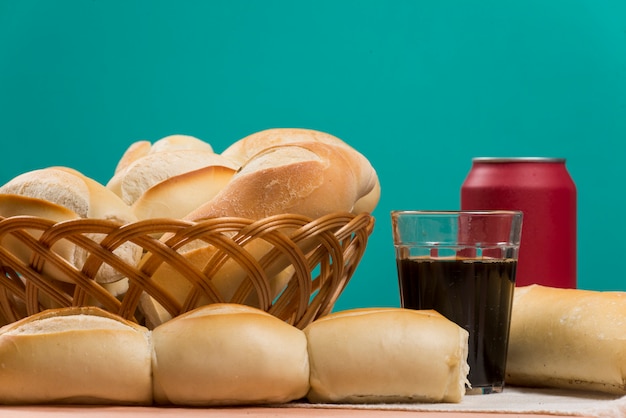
column 462, row 264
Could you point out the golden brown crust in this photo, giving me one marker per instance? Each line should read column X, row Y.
column 177, row 196
column 145, row 172
column 311, row 179
column 246, row 148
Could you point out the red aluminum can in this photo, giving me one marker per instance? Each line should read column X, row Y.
column 546, row 194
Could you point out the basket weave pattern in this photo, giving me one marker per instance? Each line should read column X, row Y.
column 317, row 256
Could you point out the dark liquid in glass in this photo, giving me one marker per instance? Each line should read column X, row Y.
column 473, row 293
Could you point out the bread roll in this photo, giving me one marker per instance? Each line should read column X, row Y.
column 386, row 355
column 75, row 355
column 101, row 202
column 135, row 151
column 80, row 195
column 226, row 354
column 180, row 142
column 244, row 149
column 16, row 205
column 568, row 338
column 177, row 196
column 140, row 175
column 140, row 149
column 311, row 179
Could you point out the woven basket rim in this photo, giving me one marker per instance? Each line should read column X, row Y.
column 322, row 252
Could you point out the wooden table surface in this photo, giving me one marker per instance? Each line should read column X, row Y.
column 247, row 412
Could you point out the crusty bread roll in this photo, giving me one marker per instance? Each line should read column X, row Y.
column 101, row 203
column 307, row 178
column 75, row 355
column 134, row 151
column 226, row 354
column 140, row 149
column 180, row 142
column 243, row 150
column 375, row 355
column 170, row 178
column 140, row 175
column 16, row 205
column 80, row 196
column 568, row 338
column 179, row 195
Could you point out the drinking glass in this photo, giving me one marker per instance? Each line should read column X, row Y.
column 462, row 264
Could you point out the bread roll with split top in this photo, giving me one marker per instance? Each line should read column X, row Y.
column 75, row 355
column 568, row 338
column 376, row 355
column 243, row 150
column 227, row 354
column 81, row 196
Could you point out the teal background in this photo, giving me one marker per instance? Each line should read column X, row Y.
column 420, row 87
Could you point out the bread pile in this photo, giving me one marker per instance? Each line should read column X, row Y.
column 276, row 171
column 269, row 172
column 216, row 354
column 228, row 354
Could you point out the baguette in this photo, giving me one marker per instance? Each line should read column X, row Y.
column 386, row 355
column 568, row 338
column 242, row 150
column 227, row 354
column 75, row 355
column 307, row 178
column 246, row 148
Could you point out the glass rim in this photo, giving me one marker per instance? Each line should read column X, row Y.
column 480, row 212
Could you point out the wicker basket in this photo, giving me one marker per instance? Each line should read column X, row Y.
column 316, row 259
